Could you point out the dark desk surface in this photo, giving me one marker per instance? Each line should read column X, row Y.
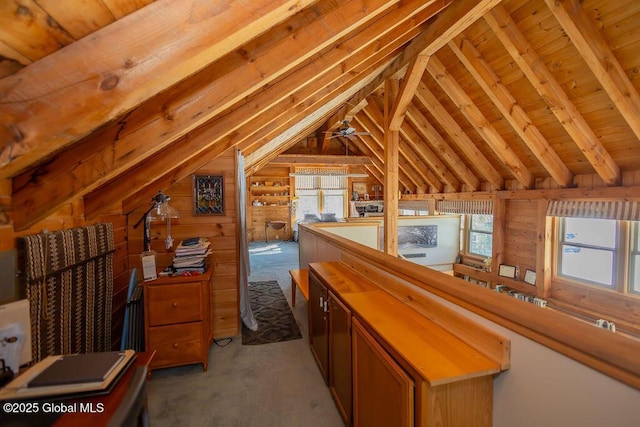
column 46, row 417
column 109, row 401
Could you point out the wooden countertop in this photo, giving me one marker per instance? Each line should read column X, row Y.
column 434, row 353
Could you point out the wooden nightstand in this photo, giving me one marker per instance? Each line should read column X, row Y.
column 177, row 320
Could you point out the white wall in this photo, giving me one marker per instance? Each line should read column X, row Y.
column 543, row 388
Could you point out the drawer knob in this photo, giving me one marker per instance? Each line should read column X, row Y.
column 174, row 305
column 175, row 345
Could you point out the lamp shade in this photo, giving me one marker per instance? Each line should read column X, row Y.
column 162, row 210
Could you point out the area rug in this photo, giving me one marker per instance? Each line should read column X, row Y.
column 271, row 309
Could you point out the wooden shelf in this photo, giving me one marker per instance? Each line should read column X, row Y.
column 274, row 207
column 473, row 272
column 517, row 285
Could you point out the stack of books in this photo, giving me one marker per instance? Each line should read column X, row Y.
column 191, row 254
column 70, row 375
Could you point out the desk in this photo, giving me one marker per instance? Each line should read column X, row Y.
column 109, row 402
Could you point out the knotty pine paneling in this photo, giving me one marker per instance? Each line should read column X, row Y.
column 520, row 234
column 221, row 230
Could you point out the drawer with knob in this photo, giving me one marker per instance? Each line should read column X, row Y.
column 176, row 344
column 171, row 304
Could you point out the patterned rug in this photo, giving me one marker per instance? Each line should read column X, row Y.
column 271, row 309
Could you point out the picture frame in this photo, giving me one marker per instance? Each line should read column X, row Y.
column 360, row 187
column 507, row 271
column 530, row 277
column 208, row 195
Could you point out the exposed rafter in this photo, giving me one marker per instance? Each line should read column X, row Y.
column 550, row 90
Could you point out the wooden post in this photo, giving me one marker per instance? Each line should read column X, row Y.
column 391, row 157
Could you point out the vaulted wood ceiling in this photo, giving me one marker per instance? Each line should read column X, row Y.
column 110, row 100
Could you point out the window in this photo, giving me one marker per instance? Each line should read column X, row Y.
column 480, row 234
column 599, row 252
column 319, row 194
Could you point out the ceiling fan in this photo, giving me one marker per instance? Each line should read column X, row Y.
column 347, row 131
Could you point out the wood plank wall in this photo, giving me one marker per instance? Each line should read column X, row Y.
column 70, row 216
column 221, row 230
column 520, row 234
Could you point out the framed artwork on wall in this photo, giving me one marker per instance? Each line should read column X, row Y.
column 507, row 271
column 530, row 277
column 208, row 194
column 360, row 187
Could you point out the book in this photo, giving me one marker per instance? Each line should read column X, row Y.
column 78, row 368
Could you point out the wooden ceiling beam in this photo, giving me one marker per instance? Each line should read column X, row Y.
column 370, row 146
column 433, row 171
column 115, row 71
column 430, row 159
column 430, row 135
column 408, row 87
column 404, row 162
column 207, row 142
column 551, row 91
column 511, row 110
column 318, row 159
column 400, row 26
column 480, row 123
column 457, row 135
column 322, row 74
column 376, row 169
column 596, row 52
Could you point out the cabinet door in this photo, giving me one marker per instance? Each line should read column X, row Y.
column 383, row 394
column 340, row 380
column 318, row 324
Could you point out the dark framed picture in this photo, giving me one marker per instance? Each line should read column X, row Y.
column 208, row 194
column 507, row 271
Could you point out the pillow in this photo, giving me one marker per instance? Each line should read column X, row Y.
column 328, row 217
column 310, row 218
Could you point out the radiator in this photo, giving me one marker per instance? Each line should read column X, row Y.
column 135, row 328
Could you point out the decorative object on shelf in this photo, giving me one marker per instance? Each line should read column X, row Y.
column 606, row 324
column 507, row 271
column 208, row 195
column 530, row 277
column 487, row 264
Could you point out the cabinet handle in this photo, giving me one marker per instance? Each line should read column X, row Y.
column 175, row 345
column 174, row 305
column 321, row 302
column 326, row 308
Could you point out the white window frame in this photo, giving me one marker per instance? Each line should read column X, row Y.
column 467, row 236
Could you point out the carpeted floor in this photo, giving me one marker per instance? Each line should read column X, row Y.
column 271, row 309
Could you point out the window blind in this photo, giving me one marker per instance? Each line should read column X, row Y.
column 479, row 207
column 321, row 178
column 619, row 210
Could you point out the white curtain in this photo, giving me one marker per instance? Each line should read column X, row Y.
column 245, row 307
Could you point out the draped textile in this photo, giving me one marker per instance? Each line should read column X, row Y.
column 69, row 279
